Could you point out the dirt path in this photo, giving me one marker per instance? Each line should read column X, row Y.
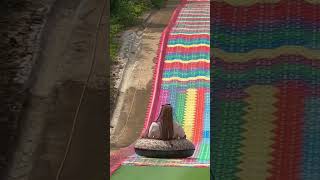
column 129, row 115
column 21, row 25
column 65, row 62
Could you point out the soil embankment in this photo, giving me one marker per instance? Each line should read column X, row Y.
column 135, row 90
column 57, row 84
column 21, row 28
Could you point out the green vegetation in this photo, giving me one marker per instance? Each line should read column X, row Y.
column 160, row 173
column 157, row 3
column 124, row 14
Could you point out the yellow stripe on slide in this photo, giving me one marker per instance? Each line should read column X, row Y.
column 313, row 1
column 186, row 79
column 188, row 46
column 258, row 137
column 188, row 61
column 189, row 114
column 266, row 53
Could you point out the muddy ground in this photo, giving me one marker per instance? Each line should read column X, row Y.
column 46, row 51
column 135, row 89
column 21, row 23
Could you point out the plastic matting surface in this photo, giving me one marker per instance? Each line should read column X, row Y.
column 185, row 83
column 266, row 90
column 181, row 78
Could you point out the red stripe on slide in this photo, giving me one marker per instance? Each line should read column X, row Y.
column 190, row 49
column 273, row 12
column 193, row 23
column 193, row 19
column 191, row 36
column 189, row 81
column 286, row 155
column 198, row 125
column 184, row 66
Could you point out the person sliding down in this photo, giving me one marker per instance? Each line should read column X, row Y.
column 165, row 128
column 164, row 138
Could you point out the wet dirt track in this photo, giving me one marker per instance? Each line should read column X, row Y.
column 136, row 87
column 21, row 23
column 64, row 65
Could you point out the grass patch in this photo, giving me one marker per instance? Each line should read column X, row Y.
column 125, row 14
column 160, row 173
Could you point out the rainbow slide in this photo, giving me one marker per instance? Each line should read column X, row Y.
column 266, row 109
column 181, row 78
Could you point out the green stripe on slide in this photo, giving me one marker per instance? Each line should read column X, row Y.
column 181, row 101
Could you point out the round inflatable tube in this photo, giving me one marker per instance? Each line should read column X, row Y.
column 155, row 148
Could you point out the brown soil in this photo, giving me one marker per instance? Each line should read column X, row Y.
column 63, row 68
column 136, row 88
column 21, row 24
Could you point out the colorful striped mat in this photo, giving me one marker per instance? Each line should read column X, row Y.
column 185, row 83
column 181, row 78
column 265, row 90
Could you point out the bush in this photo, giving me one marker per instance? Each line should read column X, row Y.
column 115, row 29
column 126, row 13
column 157, row 3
